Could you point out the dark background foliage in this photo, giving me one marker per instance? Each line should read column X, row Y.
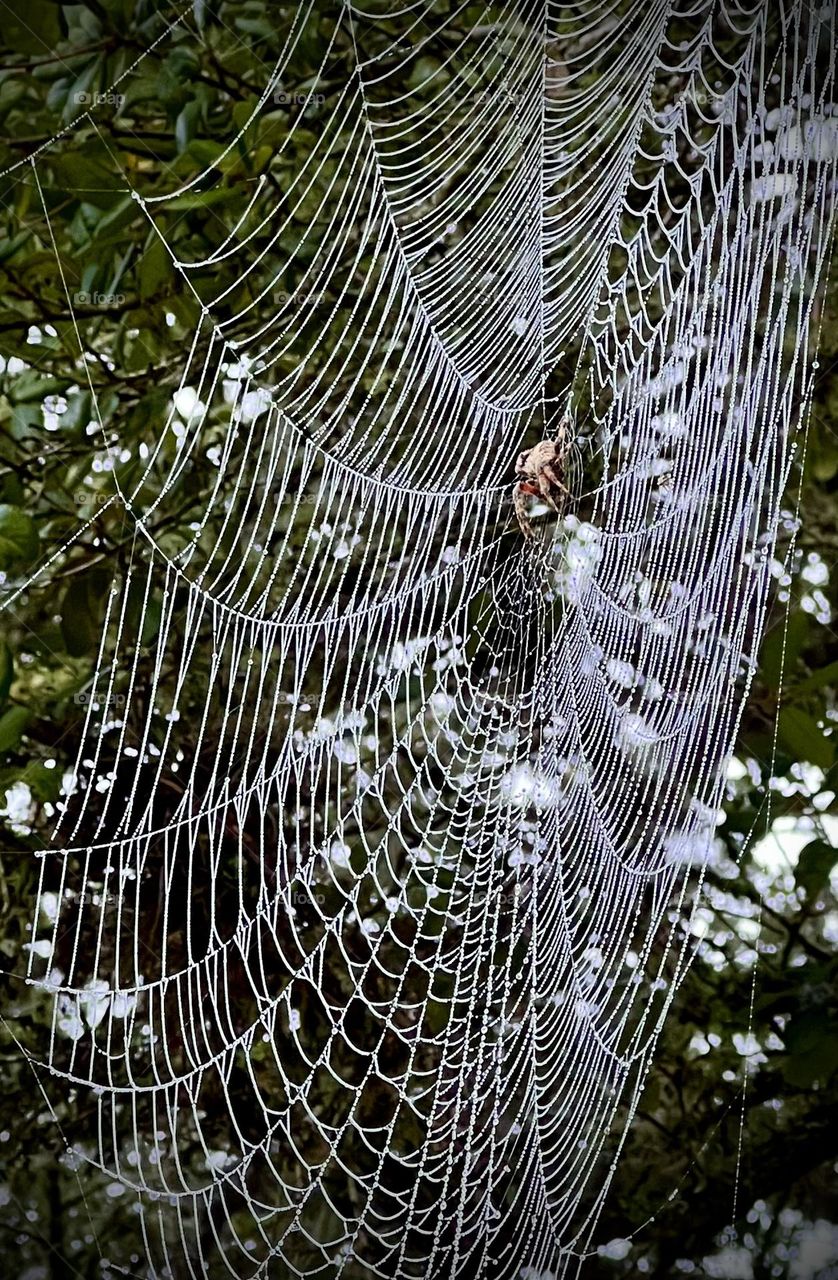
column 739, row 1120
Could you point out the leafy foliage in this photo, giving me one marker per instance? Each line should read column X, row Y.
column 760, row 1001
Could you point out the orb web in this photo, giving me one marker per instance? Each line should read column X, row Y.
column 363, row 910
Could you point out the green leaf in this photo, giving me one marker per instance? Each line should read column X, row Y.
column 741, row 820
column 423, row 73
column 12, row 724
column 155, row 267
column 822, row 452
column 814, row 865
column 7, row 670
column 77, row 624
column 811, row 1041
column 825, row 464
column 116, row 219
column 781, row 648
column 143, row 615
column 86, row 174
column 260, row 27
column 19, row 544
column 24, row 418
column 31, row 386
column 81, row 611
column 79, row 99
column 799, row 732
column 200, row 199
column 141, row 351
column 11, row 92
column 78, row 413
column 437, row 1016
column 205, row 152
column 45, row 784
column 9, row 247
column 827, row 675
column 148, row 409
column 11, row 490
column 244, row 111
column 107, row 405
column 31, row 26
column 186, row 124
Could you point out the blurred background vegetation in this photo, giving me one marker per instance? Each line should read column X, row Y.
column 740, row 1115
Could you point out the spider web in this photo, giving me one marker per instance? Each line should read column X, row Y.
column 357, row 951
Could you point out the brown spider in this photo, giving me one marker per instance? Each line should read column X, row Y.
column 542, row 475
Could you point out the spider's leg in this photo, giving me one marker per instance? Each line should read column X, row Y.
column 521, row 464
column 545, row 485
column 520, row 504
column 550, row 480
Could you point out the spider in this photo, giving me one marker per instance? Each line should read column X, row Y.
column 542, row 473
